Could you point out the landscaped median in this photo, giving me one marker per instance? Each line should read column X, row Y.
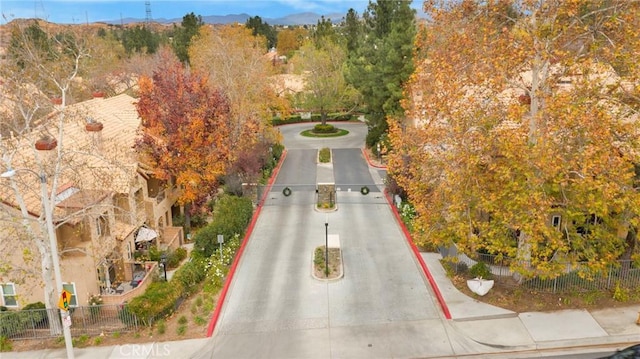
column 327, row 260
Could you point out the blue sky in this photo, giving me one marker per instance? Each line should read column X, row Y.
column 81, row 11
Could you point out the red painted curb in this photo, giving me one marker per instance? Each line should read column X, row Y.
column 245, row 240
column 423, row 265
column 366, row 156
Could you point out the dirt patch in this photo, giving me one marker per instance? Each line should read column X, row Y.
column 335, row 263
column 521, row 300
column 190, row 321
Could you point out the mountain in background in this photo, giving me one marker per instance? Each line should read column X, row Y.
column 305, row 18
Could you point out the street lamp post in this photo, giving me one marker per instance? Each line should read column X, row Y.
column 326, row 247
column 53, row 242
column 163, row 260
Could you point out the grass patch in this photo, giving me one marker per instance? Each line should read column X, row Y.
column 324, row 156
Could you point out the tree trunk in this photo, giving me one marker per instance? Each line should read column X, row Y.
column 630, row 245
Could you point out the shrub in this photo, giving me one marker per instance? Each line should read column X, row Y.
column 159, row 299
column 35, row 314
column 231, row 216
column 181, row 330
column 480, row 270
column 95, row 304
column 190, row 275
column 161, row 327
column 5, row 344
column 80, row 341
column 276, row 150
column 326, row 128
column 620, row 294
column 10, row 324
column 182, row 320
column 126, row 317
column 155, row 254
column 36, row 305
column 174, row 258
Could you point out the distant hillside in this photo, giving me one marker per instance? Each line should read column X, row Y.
column 305, row 18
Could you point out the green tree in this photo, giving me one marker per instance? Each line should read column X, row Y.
column 325, row 86
column 263, row 28
column 182, row 35
column 383, row 62
column 324, row 32
column 352, row 32
column 140, row 39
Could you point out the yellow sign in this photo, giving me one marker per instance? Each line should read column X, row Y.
column 65, row 300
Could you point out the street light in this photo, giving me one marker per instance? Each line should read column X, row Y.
column 163, row 260
column 326, row 247
column 53, row 242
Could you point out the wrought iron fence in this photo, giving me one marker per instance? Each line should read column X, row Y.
column 85, row 320
column 579, row 278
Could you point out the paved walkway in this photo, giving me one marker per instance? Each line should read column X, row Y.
column 503, row 330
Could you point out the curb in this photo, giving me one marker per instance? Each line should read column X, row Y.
column 236, row 260
column 371, row 164
column 313, row 274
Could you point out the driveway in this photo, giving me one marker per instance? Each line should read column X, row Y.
column 382, row 307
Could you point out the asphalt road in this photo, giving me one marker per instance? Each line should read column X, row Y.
column 382, row 307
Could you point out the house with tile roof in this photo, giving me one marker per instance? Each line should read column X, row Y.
column 107, row 205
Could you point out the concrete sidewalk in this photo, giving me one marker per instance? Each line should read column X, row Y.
column 491, row 329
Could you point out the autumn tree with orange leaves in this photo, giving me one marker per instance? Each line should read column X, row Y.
column 234, row 61
column 185, row 129
column 522, row 138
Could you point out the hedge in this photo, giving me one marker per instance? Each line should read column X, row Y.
column 158, row 300
column 316, row 117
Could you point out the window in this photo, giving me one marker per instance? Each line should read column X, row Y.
column 71, row 288
column 102, row 226
column 555, row 221
column 8, row 292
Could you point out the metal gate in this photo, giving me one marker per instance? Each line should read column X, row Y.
column 313, row 195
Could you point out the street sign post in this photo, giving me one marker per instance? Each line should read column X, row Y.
column 220, row 241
